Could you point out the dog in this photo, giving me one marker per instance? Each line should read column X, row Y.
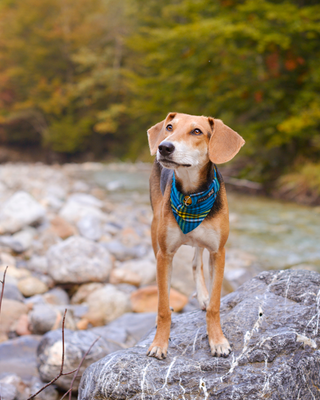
column 189, row 203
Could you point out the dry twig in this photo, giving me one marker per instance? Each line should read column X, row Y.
column 61, row 373
column 2, row 289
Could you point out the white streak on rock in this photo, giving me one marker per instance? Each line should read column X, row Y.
column 168, row 373
column 195, row 339
column 143, row 379
column 202, row 385
column 306, row 341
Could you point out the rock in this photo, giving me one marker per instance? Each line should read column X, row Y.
column 84, row 291
column 78, row 260
column 19, row 211
column 62, row 228
column 76, row 345
column 123, row 253
column 106, row 304
column 11, row 311
column 31, row 286
column 45, row 317
column 56, row 296
column 21, row 327
column 271, row 323
column 146, row 300
column 145, row 269
column 18, row 356
column 123, row 275
column 20, row 241
column 86, row 199
column 49, row 393
column 8, row 391
column 38, row 264
column 14, row 272
column 14, row 381
column 73, row 211
column 7, row 260
column 12, row 292
column 89, row 227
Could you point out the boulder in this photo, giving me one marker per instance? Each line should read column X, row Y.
column 144, row 268
column 89, row 227
column 106, row 304
column 45, row 317
column 78, row 260
column 19, row 211
column 272, row 324
column 18, row 356
column 77, row 343
column 146, row 300
column 20, row 241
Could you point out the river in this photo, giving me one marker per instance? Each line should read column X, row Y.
column 280, row 234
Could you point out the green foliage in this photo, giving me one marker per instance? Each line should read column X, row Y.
column 98, row 74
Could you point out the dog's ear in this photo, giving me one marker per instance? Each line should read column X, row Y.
column 156, row 135
column 224, row 143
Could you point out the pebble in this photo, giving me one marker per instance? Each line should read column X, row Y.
column 31, row 285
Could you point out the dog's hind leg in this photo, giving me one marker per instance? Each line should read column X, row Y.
column 197, row 266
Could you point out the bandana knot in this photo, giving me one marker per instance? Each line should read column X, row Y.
column 190, row 210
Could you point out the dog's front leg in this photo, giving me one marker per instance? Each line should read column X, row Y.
column 218, row 343
column 159, row 345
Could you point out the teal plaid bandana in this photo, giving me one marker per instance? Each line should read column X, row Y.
column 189, row 211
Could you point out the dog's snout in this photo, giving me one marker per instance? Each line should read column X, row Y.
column 166, row 148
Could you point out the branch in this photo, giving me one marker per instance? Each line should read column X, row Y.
column 61, row 373
column 2, row 289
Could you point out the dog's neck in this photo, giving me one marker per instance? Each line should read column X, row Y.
column 193, row 179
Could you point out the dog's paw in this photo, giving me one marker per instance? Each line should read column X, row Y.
column 157, row 352
column 203, row 302
column 221, row 349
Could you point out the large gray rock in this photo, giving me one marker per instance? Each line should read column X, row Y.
column 272, row 323
column 18, row 211
column 78, row 260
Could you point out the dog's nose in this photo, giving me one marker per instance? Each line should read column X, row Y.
column 166, row 148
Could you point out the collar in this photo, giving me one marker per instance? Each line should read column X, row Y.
column 190, row 210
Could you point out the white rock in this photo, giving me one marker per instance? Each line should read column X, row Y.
column 86, row 199
column 107, row 304
column 73, row 211
column 89, row 227
column 78, row 260
column 146, row 269
column 20, row 241
column 19, row 211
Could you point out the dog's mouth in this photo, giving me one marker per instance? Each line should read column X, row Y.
column 170, row 164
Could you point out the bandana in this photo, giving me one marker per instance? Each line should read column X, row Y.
column 189, row 211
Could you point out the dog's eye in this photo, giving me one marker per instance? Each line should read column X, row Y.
column 169, row 127
column 197, row 132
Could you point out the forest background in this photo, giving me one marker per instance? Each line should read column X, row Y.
column 89, row 77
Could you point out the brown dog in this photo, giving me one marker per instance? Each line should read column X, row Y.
column 187, row 148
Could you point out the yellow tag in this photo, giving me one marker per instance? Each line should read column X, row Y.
column 187, row 200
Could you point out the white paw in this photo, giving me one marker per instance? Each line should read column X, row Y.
column 221, row 349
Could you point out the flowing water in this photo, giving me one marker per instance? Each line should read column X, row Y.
column 280, row 234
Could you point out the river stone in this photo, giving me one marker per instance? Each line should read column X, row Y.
column 18, row 211
column 31, row 286
column 78, row 260
column 45, row 317
column 272, row 324
column 144, row 268
column 19, row 356
column 76, row 345
column 106, row 304
column 11, row 311
column 89, row 227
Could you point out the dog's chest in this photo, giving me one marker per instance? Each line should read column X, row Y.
column 203, row 236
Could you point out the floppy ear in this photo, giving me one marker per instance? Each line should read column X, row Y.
column 156, row 135
column 224, row 143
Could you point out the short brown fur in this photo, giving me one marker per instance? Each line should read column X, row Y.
column 192, row 160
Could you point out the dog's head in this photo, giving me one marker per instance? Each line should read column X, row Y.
column 188, row 141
